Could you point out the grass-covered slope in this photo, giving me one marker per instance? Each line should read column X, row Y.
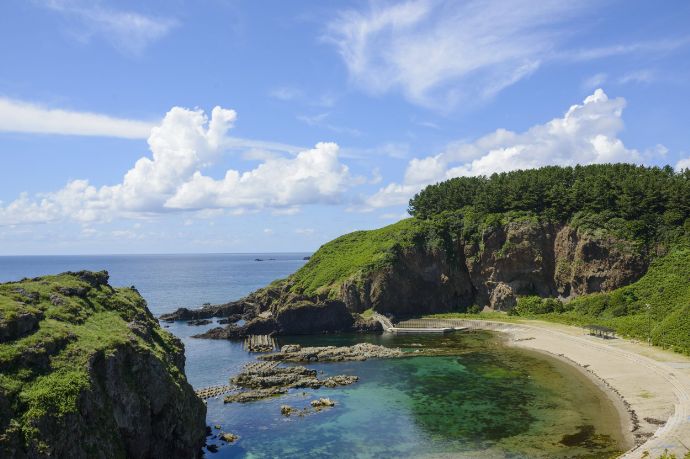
column 621, row 214
column 60, row 338
column 354, row 253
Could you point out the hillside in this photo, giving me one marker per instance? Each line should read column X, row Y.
column 85, row 371
column 575, row 236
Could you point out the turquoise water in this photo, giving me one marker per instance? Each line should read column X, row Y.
column 484, row 401
column 479, row 399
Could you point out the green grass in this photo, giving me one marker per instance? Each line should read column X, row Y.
column 44, row 371
column 368, row 313
column 354, row 254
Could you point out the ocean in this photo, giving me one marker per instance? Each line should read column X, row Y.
column 480, row 399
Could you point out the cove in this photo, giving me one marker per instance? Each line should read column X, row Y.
column 477, row 398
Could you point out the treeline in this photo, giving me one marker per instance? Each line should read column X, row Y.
column 649, row 203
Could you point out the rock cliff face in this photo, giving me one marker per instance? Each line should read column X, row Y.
column 519, row 258
column 85, row 371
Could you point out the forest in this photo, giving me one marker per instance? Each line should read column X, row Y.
column 648, row 204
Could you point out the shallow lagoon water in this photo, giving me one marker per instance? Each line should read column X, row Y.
column 482, row 399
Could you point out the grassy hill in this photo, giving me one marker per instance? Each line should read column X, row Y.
column 60, row 338
column 643, row 210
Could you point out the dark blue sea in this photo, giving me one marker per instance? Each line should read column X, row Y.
column 482, row 399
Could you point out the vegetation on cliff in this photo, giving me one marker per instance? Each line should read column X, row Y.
column 636, row 202
column 554, row 231
column 85, row 371
column 361, row 251
column 643, row 206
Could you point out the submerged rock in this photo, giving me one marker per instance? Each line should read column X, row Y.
column 228, row 437
column 252, row 395
column 199, row 322
column 361, row 351
column 322, row 402
column 267, row 380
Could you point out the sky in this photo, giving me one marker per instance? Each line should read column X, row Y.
column 194, row 126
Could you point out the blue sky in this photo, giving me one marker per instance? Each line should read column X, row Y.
column 331, row 115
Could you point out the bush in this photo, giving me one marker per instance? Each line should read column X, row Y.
column 531, row 305
column 474, row 309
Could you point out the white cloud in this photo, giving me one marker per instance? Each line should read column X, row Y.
column 286, row 93
column 651, row 46
column 171, row 179
column 320, row 120
column 683, row 164
column 19, row 116
column 294, row 210
column 127, row 31
column 441, row 53
column 313, row 176
column 595, row 81
column 305, row 231
column 586, row 134
column 396, row 150
column 638, row 76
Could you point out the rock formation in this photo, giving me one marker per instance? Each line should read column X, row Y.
column 505, row 262
column 87, row 372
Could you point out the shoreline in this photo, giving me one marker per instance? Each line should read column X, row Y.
column 627, row 417
column 650, row 388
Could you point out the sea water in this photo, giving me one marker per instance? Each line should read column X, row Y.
column 479, row 398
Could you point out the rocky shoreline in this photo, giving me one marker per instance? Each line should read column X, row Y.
column 358, row 352
column 275, row 310
column 267, row 378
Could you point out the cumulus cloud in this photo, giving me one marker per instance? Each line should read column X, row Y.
column 441, row 52
column 313, row 176
column 587, row 133
column 19, row 116
column 171, row 179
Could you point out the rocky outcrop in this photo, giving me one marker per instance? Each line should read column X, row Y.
column 520, row 258
column 358, row 352
column 264, row 381
column 87, row 372
column 505, row 262
column 276, row 310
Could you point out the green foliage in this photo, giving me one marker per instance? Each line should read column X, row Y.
column 638, row 203
column 474, row 309
column 532, row 305
column 354, row 255
column 45, row 369
column 360, row 251
column 368, row 313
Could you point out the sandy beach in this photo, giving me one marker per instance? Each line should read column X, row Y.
column 649, row 386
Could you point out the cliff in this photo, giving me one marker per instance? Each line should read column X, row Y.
column 417, row 267
column 85, row 371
